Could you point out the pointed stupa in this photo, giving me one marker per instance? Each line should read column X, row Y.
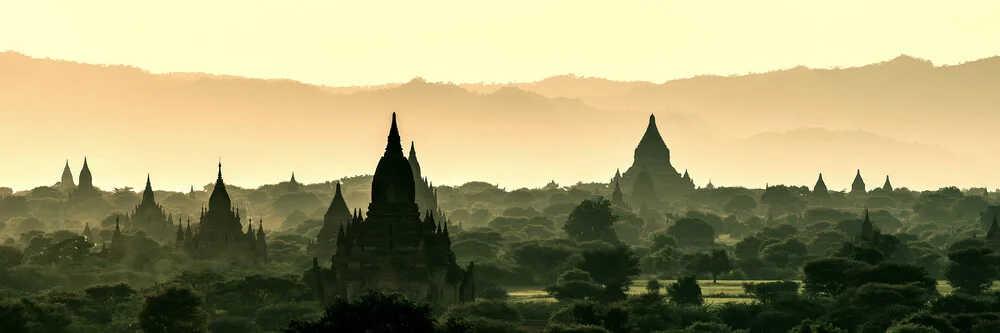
column 293, row 185
column 867, row 229
column 887, row 186
column 86, row 179
column 686, row 175
column 710, row 186
column 66, row 182
column 651, row 146
column 652, row 156
column 87, row 233
column 219, row 200
column 858, row 187
column 414, row 164
column 336, row 215
column 147, row 193
column 617, row 198
column 994, row 232
column 820, row 187
column 393, row 181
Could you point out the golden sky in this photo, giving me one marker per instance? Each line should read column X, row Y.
column 357, row 42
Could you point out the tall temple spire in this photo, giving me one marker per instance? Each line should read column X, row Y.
column 651, row 146
column 867, row 229
column 293, row 185
column 887, row 186
column 994, row 232
column 414, row 164
column 219, row 200
column 337, row 214
column 147, row 193
column 617, row 198
column 820, row 187
column 66, row 182
column 86, row 179
column 858, row 187
column 393, row 181
column 392, row 145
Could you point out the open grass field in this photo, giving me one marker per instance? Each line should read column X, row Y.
column 724, row 291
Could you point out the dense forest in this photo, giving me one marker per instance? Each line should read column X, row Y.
column 553, row 259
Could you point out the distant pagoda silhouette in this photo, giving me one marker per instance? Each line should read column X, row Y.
column 219, row 235
column 337, row 216
column 424, row 191
column 149, row 216
column 66, row 183
column 653, row 157
column 85, row 190
column 393, row 249
column 858, row 186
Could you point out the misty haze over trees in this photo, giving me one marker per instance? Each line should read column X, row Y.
column 648, row 250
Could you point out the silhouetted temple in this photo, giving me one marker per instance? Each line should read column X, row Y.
column 87, row 233
column 149, row 217
column 887, row 186
column 220, row 235
column 293, row 185
column 425, row 194
column 118, row 249
column 66, row 183
column 653, row 157
column 85, row 190
column 337, row 216
column 993, row 234
column 820, row 193
column 617, row 198
column 867, row 229
column 858, row 187
column 393, row 249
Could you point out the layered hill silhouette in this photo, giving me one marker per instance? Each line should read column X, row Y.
column 476, row 131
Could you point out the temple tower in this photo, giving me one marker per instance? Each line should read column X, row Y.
column 66, row 183
column 858, row 187
column 653, row 157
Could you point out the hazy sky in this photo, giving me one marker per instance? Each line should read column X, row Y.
column 376, row 41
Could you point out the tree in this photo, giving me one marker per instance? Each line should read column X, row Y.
column 715, row 263
column 543, row 257
column 783, row 200
column 574, row 284
column 653, row 286
column 971, row 271
column 9, row 257
column 740, row 204
column 29, row 316
column 809, row 326
column 374, row 312
column 173, row 309
column 771, row 292
column 592, row 220
column 611, row 266
column 688, row 231
column 108, row 297
column 685, row 291
column 828, row 276
column 662, row 240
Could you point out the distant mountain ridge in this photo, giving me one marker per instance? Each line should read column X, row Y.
column 554, row 121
